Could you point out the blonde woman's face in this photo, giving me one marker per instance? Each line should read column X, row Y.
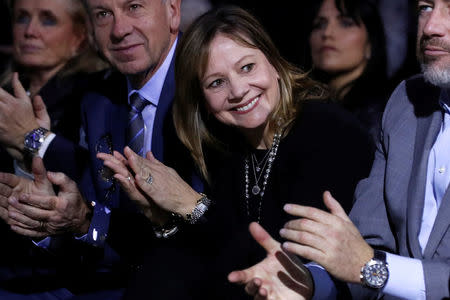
column 44, row 35
column 240, row 85
column 338, row 44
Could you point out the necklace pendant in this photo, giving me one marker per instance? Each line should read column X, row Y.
column 258, row 169
column 256, row 189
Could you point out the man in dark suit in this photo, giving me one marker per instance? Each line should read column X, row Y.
column 139, row 40
column 402, row 249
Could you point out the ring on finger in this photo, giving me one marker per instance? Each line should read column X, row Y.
column 129, row 178
column 149, row 179
column 41, row 225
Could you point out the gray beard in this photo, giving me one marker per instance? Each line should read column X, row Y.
column 436, row 76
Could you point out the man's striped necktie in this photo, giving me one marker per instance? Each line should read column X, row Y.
column 135, row 129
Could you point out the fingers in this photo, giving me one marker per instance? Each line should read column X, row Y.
column 4, row 215
column 263, row 294
column 303, row 237
column 307, row 225
column 138, row 164
column 28, row 232
column 334, row 207
column 5, row 190
column 120, row 157
column 9, row 180
column 117, row 166
column 152, row 158
column 23, row 221
column 263, row 238
column 38, row 170
column 240, row 277
column 129, row 153
column 307, row 212
column 33, row 206
column 5, row 97
column 40, row 111
column 134, row 160
column 64, row 182
column 19, row 91
column 253, row 286
column 304, row 251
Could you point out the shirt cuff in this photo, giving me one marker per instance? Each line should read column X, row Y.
column 45, row 144
column 406, row 277
column 45, row 243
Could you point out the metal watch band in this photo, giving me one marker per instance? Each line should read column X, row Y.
column 199, row 210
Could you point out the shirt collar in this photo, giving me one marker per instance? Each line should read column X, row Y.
column 151, row 91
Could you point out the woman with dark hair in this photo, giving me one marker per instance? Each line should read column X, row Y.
column 261, row 135
column 348, row 53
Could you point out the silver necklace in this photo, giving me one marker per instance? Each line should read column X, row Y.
column 256, row 169
column 256, row 189
column 257, row 165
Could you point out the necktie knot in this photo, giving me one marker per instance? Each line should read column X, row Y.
column 137, row 102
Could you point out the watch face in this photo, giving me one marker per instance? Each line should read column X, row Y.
column 376, row 274
column 34, row 139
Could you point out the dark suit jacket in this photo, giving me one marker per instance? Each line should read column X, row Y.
column 104, row 122
column 325, row 150
column 26, row 268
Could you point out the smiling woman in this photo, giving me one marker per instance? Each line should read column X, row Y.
column 261, row 135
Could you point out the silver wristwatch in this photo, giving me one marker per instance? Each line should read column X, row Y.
column 34, row 139
column 375, row 272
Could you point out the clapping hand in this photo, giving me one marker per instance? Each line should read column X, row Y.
column 327, row 238
column 279, row 276
column 32, row 209
column 124, row 175
column 19, row 115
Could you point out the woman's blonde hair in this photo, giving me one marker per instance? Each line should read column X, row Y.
column 86, row 60
column 190, row 115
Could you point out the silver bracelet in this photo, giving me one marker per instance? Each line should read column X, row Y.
column 199, row 210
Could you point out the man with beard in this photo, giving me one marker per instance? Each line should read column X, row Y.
column 396, row 242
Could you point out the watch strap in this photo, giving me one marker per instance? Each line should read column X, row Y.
column 379, row 255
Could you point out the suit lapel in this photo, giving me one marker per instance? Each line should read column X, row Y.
column 427, row 130
column 164, row 105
